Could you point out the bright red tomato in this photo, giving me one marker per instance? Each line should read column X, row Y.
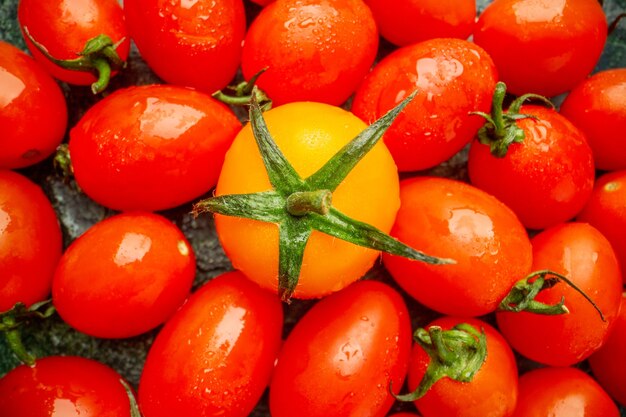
column 30, row 241
column 63, row 386
column 151, row 147
column 454, row 220
column 598, row 107
column 453, row 77
column 216, row 355
column 192, row 43
column 581, row 253
column 313, row 50
column 124, row 276
column 542, row 47
column 33, row 113
column 342, row 356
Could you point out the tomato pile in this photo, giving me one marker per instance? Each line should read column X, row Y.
column 312, row 207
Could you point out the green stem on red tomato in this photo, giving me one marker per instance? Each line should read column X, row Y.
column 242, row 94
column 134, row 408
column 104, row 75
column 14, row 339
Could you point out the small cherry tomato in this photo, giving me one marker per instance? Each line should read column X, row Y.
column 30, row 241
column 581, row 253
column 124, row 276
column 216, row 355
column 454, row 220
column 342, row 356
column 313, row 50
column 33, row 113
column 151, row 147
column 453, row 77
column 542, row 47
column 598, row 107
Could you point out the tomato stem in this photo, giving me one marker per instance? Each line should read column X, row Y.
column 14, row 340
column 301, row 203
column 242, row 94
column 13, row 319
column 134, row 408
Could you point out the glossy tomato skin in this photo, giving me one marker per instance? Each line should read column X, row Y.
column 491, row 393
column 581, row 253
column 64, row 26
column 308, row 134
column 560, row 41
column 545, row 180
column 453, row 77
column 151, row 147
column 313, row 51
column 409, row 21
column 342, row 356
column 195, row 44
column 63, row 386
column 216, row 354
column 562, row 392
column 30, row 241
column 33, row 113
column 454, row 220
column 124, row 276
column 598, row 107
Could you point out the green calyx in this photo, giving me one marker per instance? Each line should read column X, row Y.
column 99, row 56
column 458, row 354
column 500, row 129
column 242, row 93
column 134, row 408
column 298, row 206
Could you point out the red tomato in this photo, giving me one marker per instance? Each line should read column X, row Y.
column 454, row 220
column 562, row 392
column 151, row 147
column 313, row 50
column 543, row 47
column 33, row 113
column 30, row 241
column 63, row 27
column 342, row 356
column 410, row 21
column 545, row 180
column 216, row 355
column 598, row 107
column 124, row 276
column 192, row 43
column 581, row 253
column 63, row 386
column 452, row 77
column 491, row 393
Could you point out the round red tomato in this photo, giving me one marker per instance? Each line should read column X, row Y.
column 124, row 276
column 342, row 356
column 63, row 386
column 30, row 241
column 151, row 147
column 33, row 113
column 313, row 50
column 452, row 77
column 454, row 220
column 542, row 47
column 216, row 355
column 581, row 253
column 193, row 43
column 598, row 107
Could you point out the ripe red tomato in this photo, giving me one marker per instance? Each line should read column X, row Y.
column 562, row 392
column 454, row 220
column 581, row 253
column 598, row 107
column 342, row 356
column 63, row 386
column 409, row 21
column 216, row 355
column 542, row 47
column 452, row 77
column 30, row 241
column 313, row 50
column 33, row 113
column 151, row 147
column 192, row 43
column 545, row 180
